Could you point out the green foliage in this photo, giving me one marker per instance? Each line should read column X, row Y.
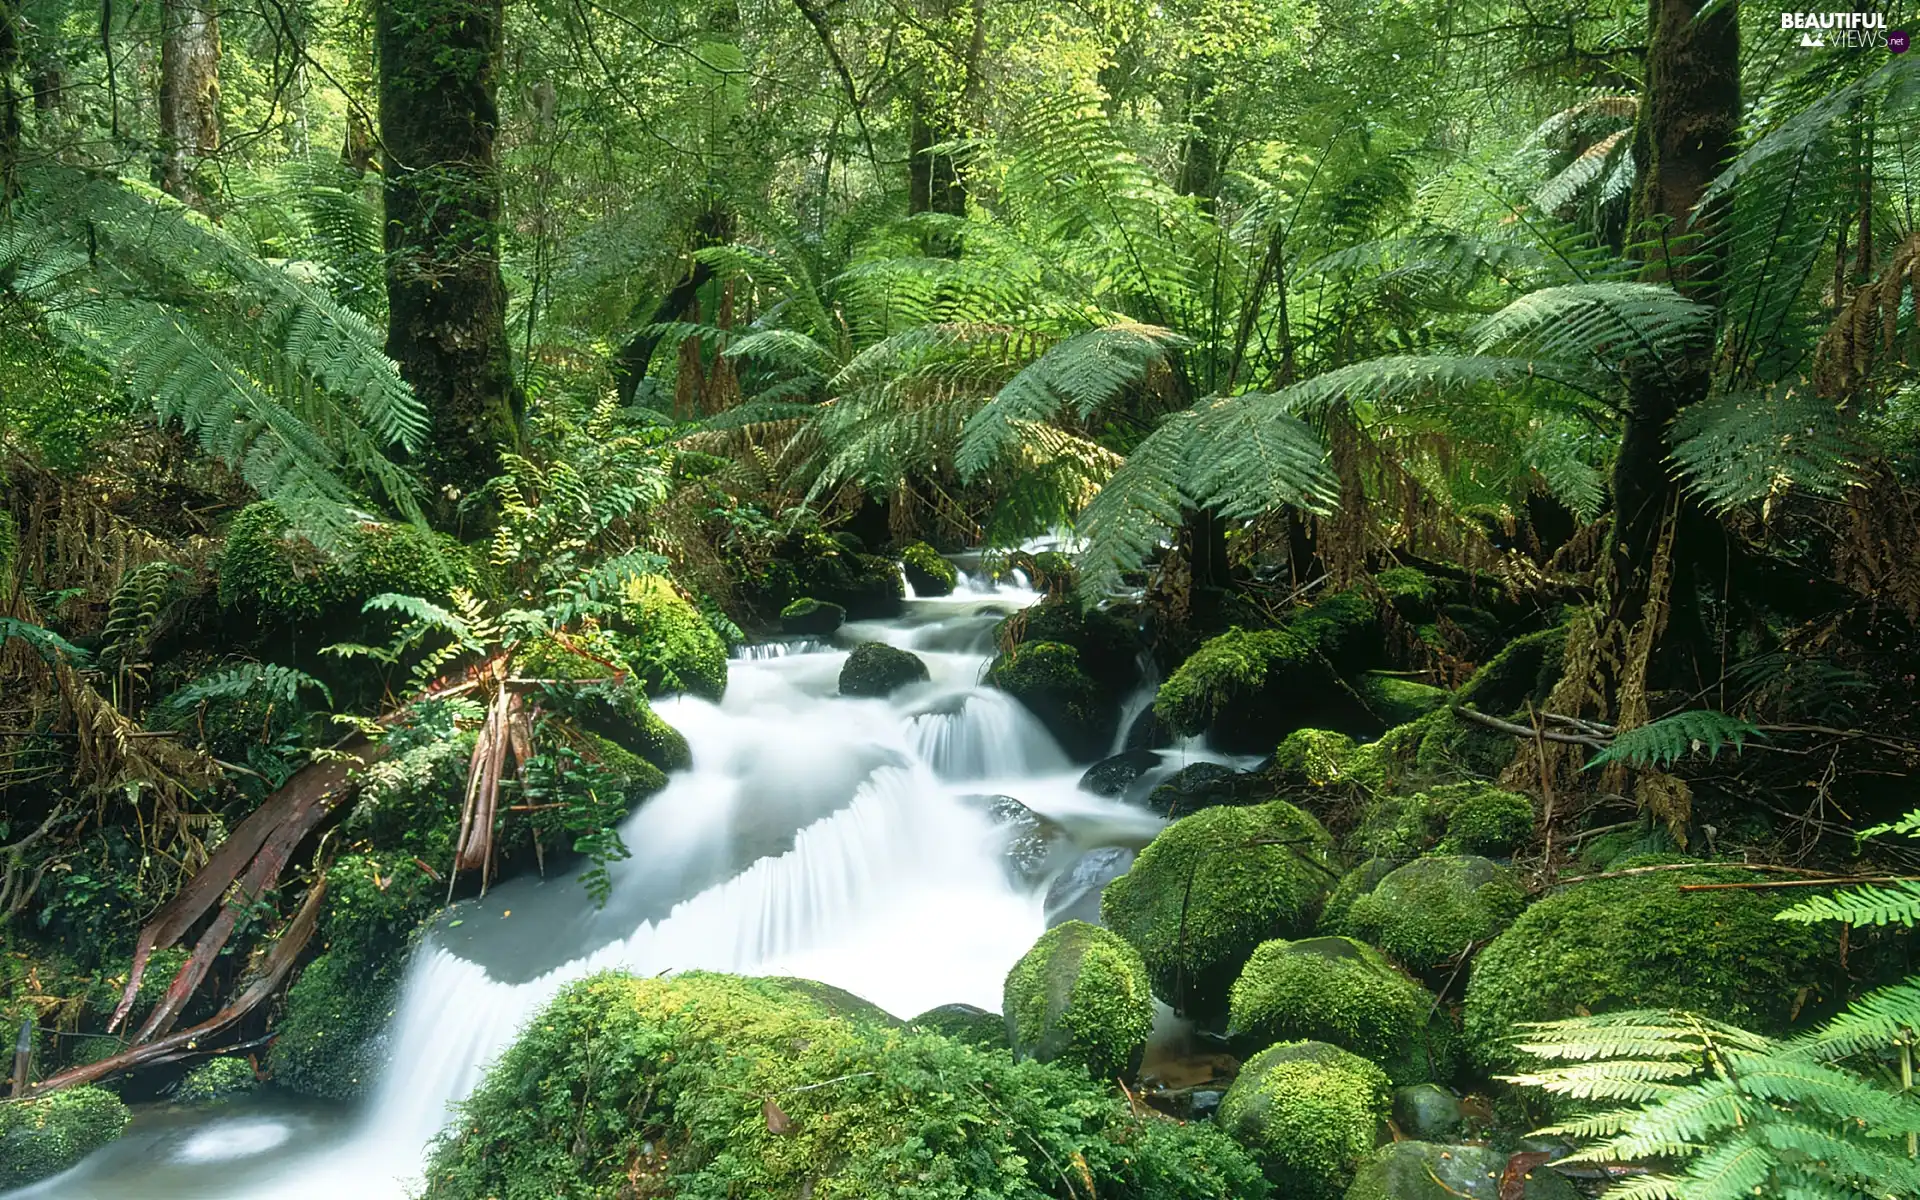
column 877, row 669
column 1484, row 820
column 1433, row 911
column 668, row 641
column 1049, row 678
column 44, row 1137
column 1213, row 886
column 704, row 1085
column 1080, row 995
column 1869, row 904
column 216, row 1079
column 1337, row 990
column 270, row 572
column 1314, row 757
column 133, row 611
column 50, row 646
column 266, row 682
column 1755, row 446
column 1664, row 742
column 1626, row 943
column 1309, row 1112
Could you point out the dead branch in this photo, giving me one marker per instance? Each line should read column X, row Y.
column 1522, row 731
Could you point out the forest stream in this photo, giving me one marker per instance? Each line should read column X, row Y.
column 850, row 841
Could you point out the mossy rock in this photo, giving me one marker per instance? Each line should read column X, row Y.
column 965, row 1024
column 1441, row 747
column 1245, row 688
column 1109, row 648
column 607, row 702
column 1640, row 942
column 1396, row 700
column 1080, row 995
column 927, row 572
column 44, row 1137
column 1337, row 990
column 1432, row 910
column 1409, row 1170
column 1310, row 1114
column 877, row 669
column 1203, row 785
column 1411, row 591
column 1212, row 887
column 714, row 1085
column 1482, row 819
column 1526, row 669
column 1048, row 679
column 1353, row 885
column 668, row 642
column 830, row 570
column 278, row 578
column 812, row 618
column 330, row 1039
column 1312, row 759
column 216, row 1079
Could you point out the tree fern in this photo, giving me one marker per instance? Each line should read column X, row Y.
column 1662, row 743
column 1734, row 449
column 268, row 682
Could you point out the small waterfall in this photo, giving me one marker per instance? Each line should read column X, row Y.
column 985, row 733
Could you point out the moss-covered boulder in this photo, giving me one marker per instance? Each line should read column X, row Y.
column 927, row 572
column 1482, row 819
column 1433, row 910
column 215, row 1080
column 668, row 642
column 1411, row 1170
column 807, row 617
column 1310, row 760
column 1441, row 747
column 1048, row 679
column 1526, row 669
column 1470, row 817
column 1337, row 990
column 44, row 1137
column 1411, row 591
column 877, row 669
column 1080, row 995
column 712, row 1085
column 832, row 570
column 601, row 692
column 1109, row 648
column 330, row 1039
column 274, row 577
column 1353, row 885
column 1640, row 942
column 965, row 1024
column 1213, row 886
column 1396, row 700
column 1310, row 1113
column 1245, row 688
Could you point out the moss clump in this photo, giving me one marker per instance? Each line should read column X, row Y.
column 1641, row 942
column 809, row 617
column 1440, row 747
column 1431, row 910
column 216, row 1079
column 1312, row 758
column 877, row 669
column 711, row 1085
column 1525, row 669
column 329, row 1035
column 1353, row 885
column 1482, row 819
column 1213, row 886
column 1109, row 648
column 965, row 1024
column 668, row 642
column 1047, row 677
column 929, row 574
column 1337, row 990
column 608, row 701
column 1411, row 592
column 44, row 1137
column 277, row 577
column 1395, row 700
column 1080, row 995
column 1310, row 1113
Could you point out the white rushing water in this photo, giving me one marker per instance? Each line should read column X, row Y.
column 835, row 839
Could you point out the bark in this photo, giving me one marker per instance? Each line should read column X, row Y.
column 10, row 123
column 189, row 95
column 1199, row 154
column 933, row 179
column 446, row 324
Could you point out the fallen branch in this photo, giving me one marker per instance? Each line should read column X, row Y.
column 1522, row 731
column 1819, row 876
column 1835, row 881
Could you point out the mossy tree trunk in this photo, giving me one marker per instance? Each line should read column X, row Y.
column 189, row 95
column 1689, row 118
column 10, row 122
column 446, row 323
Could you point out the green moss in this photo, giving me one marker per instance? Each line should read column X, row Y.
column 1482, row 819
column 216, row 1079
column 1411, row 592
column 1431, row 910
column 929, row 574
column 277, row 577
column 1312, row 758
column 328, row 1037
column 1340, row 991
column 44, row 1137
column 9, row 545
column 713, row 1086
column 265, row 571
column 1641, row 942
column 1395, row 700
column 1047, row 677
column 1397, row 827
column 1054, row 572
column 1437, row 748
column 669, row 643
column 1525, row 669
column 1109, row 648
column 965, row 1024
column 1233, row 670
column 1213, row 886
column 1310, row 1113
column 1353, row 885
column 610, row 702
column 1080, row 995
column 877, row 669
column 807, row 616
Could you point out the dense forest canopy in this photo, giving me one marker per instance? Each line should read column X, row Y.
column 1485, row 433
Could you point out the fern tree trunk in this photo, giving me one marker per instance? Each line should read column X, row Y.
column 189, row 95
column 446, row 323
column 1689, row 118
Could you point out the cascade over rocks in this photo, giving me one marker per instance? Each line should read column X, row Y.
column 1203, row 785
column 927, row 572
column 1047, row 677
column 1074, row 894
column 877, row 669
column 812, row 618
column 1034, row 844
column 1115, row 776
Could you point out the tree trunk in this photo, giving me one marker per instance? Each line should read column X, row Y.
column 10, row 124
column 446, row 323
column 189, row 95
column 1199, row 155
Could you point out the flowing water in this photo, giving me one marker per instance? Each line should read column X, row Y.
column 844, row 840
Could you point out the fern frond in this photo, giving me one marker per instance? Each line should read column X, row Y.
column 1733, row 449
column 44, row 642
column 1662, row 743
column 1612, row 325
column 1878, row 1019
column 266, row 681
column 1869, row 904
